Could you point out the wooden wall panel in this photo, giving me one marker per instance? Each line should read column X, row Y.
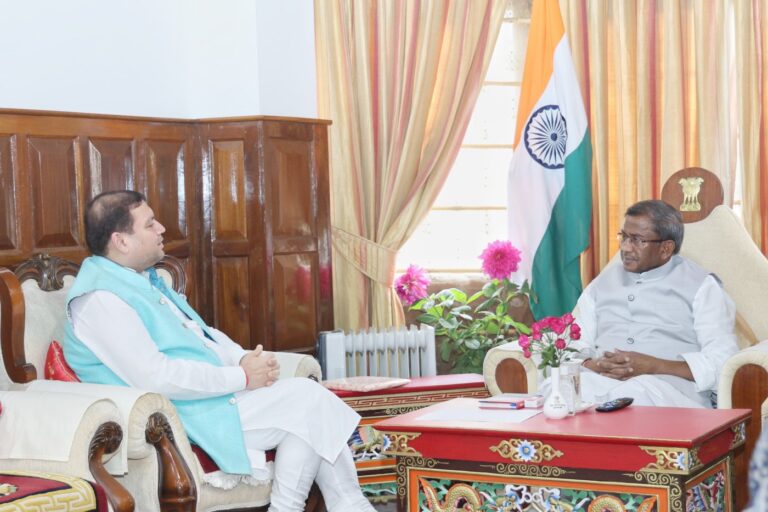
column 232, row 299
column 166, row 192
column 54, row 165
column 110, row 165
column 230, row 221
column 293, row 189
column 295, row 298
column 245, row 203
column 8, row 236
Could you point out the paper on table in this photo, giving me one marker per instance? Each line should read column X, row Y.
column 470, row 411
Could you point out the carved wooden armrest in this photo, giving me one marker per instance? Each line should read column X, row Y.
column 177, row 489
column 507, row 370
column 106, row 441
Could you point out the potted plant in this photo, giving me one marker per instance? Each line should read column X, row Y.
column 469, row 326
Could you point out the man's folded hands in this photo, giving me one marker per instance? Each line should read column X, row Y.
column 261, row 368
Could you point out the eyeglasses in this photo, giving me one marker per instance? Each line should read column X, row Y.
column 635, row 241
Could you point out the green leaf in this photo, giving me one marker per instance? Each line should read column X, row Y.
column 459, row 295
column 426, row 318
column 447, row 323
column 485, row 305
column 445, row 351
column 520, row 327
column 472, row 344
column 474, row 297
column 418, row 304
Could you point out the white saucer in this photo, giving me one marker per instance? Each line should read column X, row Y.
column 583, row 406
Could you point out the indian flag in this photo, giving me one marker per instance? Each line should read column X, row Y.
column 550, row 189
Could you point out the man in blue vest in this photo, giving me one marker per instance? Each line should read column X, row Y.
column 127, row 328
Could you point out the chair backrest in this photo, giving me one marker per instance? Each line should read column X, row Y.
column 34, row 295
column 716, row 239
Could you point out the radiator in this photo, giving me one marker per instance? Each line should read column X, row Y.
column 392, row 353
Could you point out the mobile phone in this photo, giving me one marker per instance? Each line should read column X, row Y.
column 614, row 405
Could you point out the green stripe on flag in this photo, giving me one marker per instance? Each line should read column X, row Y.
column 556, row 278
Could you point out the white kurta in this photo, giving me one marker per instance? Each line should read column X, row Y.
column 114, row 332
column 713, row 315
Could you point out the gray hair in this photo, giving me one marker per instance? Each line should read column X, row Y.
column 666, row 220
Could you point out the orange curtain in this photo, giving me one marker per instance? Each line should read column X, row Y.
column 659, row 92
column 399, row 79
column 751, row 20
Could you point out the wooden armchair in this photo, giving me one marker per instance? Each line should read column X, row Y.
column 716, row 239
column 174, row 478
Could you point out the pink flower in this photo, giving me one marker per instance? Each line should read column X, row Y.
column 575, row 332
column 524, row 341
column 557, row 325
column 527, row 353
column 412, row 285
column 500, row 259
column 550, row 337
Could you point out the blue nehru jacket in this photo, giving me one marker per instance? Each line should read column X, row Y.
column 211, row 423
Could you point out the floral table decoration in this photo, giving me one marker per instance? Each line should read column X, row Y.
column 550, row 339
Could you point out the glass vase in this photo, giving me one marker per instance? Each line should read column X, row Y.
column 555, row 405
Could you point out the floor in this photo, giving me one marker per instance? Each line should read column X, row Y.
column 388, row 507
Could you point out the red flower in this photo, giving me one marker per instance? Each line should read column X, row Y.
column 500, row 259
column 524, row 341
column 560, row 344
column 412, row 285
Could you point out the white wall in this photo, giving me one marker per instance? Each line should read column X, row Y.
column 160, row 58
column 286, row 32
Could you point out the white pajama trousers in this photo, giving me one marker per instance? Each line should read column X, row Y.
column 663, row 390
column 309, row 426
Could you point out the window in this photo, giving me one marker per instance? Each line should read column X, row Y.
column 471, row 209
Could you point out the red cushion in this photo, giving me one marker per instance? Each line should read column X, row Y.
column 56, row 367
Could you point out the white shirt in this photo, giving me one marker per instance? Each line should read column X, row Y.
column 714, row 317
column 133, row 356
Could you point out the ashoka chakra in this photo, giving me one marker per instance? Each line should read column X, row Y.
column 545, row 136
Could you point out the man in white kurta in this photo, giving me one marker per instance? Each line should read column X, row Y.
column 307, row 424
column 655, row 327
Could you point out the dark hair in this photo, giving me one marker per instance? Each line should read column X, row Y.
column 107, row 213
column 667, row 222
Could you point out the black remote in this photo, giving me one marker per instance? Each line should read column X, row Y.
column 614, row 405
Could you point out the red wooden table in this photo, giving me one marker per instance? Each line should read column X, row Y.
column 638, row 458
column 376, row 470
